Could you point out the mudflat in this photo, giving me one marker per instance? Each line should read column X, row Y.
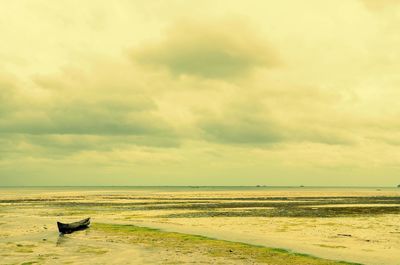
column 198, row 225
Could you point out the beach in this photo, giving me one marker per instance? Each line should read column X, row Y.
column 201, row 225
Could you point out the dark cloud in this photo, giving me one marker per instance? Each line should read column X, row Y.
column 97, row 118
column 213, row 50
column 243, row 121
column 249, row 122
column 58, row 146
column 7, row 95
column 242, row 130
column 62, row 117
column 95, row 98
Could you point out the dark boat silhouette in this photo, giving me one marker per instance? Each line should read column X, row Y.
column 72, row 227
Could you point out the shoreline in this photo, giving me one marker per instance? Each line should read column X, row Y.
column 226, row 248
column 303, row 221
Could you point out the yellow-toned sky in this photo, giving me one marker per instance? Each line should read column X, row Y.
column 197, row 92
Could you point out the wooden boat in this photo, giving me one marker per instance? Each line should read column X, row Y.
column 72, row 227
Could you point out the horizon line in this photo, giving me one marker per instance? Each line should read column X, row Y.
column 257, row 186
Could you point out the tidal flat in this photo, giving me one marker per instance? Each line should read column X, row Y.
column 201, row 225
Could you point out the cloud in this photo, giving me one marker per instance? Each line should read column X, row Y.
column 75, row 110
column 241, row 122
column 77, row 118
column 119, row 95
column 374, row 5
column 58, row 146
column 269, row 118
column 218, row 49
column 7, row 94
column 94, row 116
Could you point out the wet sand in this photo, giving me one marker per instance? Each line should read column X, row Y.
column 361, row 225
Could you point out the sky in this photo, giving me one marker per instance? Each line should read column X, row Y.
column 210, row 92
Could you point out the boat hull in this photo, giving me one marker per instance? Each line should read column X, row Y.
column 72, row 227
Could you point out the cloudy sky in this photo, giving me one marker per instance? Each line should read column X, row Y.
column 200, row 92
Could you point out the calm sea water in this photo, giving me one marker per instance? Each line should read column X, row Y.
column 194, row 188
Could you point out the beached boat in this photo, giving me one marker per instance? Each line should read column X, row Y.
column 72, row 227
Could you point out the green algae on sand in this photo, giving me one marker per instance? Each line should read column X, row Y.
column 185, row 243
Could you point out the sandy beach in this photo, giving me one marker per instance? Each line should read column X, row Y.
column 201, row 226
